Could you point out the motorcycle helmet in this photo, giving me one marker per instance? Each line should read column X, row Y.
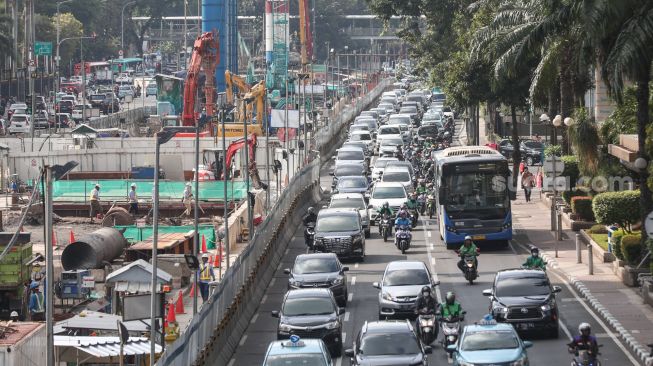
column 585, row 329
column 386, row 204
column 451, row 298
column 403, row 206
column 426, row 291
column 535, row 252
column 468, row 238
column 311, row 210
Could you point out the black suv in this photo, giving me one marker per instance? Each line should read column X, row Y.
column 319, row 270
column 388, row 343
column 531, row 151
column 340, row 231
column 311, row 313
column 525, row 299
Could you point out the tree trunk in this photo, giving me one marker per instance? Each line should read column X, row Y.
column 642, row 95
column 566, row 94
column 554, row 101
column 516, row 153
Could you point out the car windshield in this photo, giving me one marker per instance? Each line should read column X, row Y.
column 426, row 131
column 399, row 120
column 16, row 118
column 349, row 202
column 391, row 142
column 351, row 155
column 489, row 340
column 303, row 359
column 352, row 183
column 389, row 192
column 307, row 306
column 387, row 344
column 341, row 171
column 315, row 265
column 336, row 223
column 381, row 111
column 359, row 128
column 389, row 131
column 379, row 164
column 406, row 277
column 408, row 110
column 396, row 176
column 523, row 286
column 361, row 137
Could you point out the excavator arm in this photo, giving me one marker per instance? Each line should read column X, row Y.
column 257, row 95
column 206, row 56
column 236, row 100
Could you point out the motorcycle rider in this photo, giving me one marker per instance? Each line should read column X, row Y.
column 468, row 249
column 402, row 219
column 384, row 210
column 450, row 308
column 584, row 341
column 534, row 261
column 411, row 204
column 421, row 189
column 309, row 218
column 399, row 154
column 425, row 304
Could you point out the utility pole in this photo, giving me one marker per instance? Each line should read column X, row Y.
column 49, row 268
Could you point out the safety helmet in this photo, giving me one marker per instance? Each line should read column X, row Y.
column 403, row 206
column 33, row 285
column 403, row 214
column 14, row 314
column 426, row 289
column 584, row 329
column 451, row 297
column 535, row 251
column 467, row 237
column 205, row 255
column 97, row 186
column 311, row 210
column 133, row 185
column 188, row 184
column 386, row 204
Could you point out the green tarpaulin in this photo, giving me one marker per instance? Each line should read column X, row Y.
column 135, row 234
column 117, row 190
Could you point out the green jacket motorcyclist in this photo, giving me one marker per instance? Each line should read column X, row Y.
column 451, row 307
column 534, row 260
column 468, row 249
column 385, row 209
column 411, row 204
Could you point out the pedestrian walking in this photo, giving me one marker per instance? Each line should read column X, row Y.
column 188, row 198
column 133, row 200
column 527, row 181
column 205, row 275
column 96, row 208
column 36, row 303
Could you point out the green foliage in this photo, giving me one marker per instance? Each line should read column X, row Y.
column 616, row 243
column 568, row 195
column 585, row 139
column 582, row 206
column 621, row 208
column 551, row 150
column 622, row 120
column 571, row 168
column 631, row 247
column 598, row 229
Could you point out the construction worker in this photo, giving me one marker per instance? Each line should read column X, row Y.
column 188, row 198
column 133, row 200
column 36, row 303
column 205, row 275
column 96, row 208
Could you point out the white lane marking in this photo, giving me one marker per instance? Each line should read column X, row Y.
column 350, row 296
column 286, row 252
column 254, row 318
column 339, row 361
column 438, row 293
column 346, row 316
column 356, row 265
column 232, row 362
column 614, row 338
column 353, row 280
column 635, row 331
column 428, row 233
column 242, row 340
column 344, row 336
column 512, row 247
column 274, row 279
column 565, row 329
column 265, row 297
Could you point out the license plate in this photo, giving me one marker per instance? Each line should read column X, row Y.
column 525, row 326
column 407, row 307
column 478, row 237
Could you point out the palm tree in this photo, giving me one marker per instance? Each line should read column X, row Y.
column 622, row 32
column 6, row 40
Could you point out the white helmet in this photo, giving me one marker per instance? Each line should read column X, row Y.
column 205, row 255
column 14, row 314
column 468, row 238
column 584, row 327
column 133, row 185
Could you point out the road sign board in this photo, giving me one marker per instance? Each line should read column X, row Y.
column 120, row 53
column 648, row 224
column 43, row 48
column 552, row 161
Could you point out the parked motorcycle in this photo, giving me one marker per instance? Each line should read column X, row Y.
column 385, row 226
column 451, row 328
column 403, row 238
column 428, row 328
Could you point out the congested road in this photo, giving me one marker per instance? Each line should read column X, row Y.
column 427, row 246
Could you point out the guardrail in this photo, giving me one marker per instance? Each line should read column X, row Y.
column 212, row 335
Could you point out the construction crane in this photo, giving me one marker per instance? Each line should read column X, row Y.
column 206, row 56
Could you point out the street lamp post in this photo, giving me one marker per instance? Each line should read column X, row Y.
column 122, row 25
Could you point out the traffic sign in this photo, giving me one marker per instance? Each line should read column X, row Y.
column 42, row 48
column 120, row 53
column 551, row 162
column 648, row 225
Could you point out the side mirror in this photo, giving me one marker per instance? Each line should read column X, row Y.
column 369, row 207
column 376, row 285
column 436, row 283
column 275, row 313
column 428, row 350
column 331, row 173
column 345, row 269
column 286, row 271
column 349, row 352
column 487, row 292
column 451, row 348
column 556, row 289
column 528, row 344
column 341, row 311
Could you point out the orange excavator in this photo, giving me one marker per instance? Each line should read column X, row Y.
column 206, row 56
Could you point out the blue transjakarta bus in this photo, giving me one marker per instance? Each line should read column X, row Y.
column 473, row 195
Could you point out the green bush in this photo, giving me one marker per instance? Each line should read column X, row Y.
column 616, row 243
column 598, row 229
column 552, row 150
column 621, row 208
column 568, row 195
column 571, row 169
column 631, row 248
column 582, row 206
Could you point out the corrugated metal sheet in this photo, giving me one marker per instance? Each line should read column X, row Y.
column 134, row 272
column 25, row 347
column 106, row 346
column 165, row 241
column 99, row 321
column 133, row 287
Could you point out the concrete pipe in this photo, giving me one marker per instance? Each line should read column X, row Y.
column 93, row 250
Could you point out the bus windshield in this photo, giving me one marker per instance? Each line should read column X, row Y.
column 475, row 194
